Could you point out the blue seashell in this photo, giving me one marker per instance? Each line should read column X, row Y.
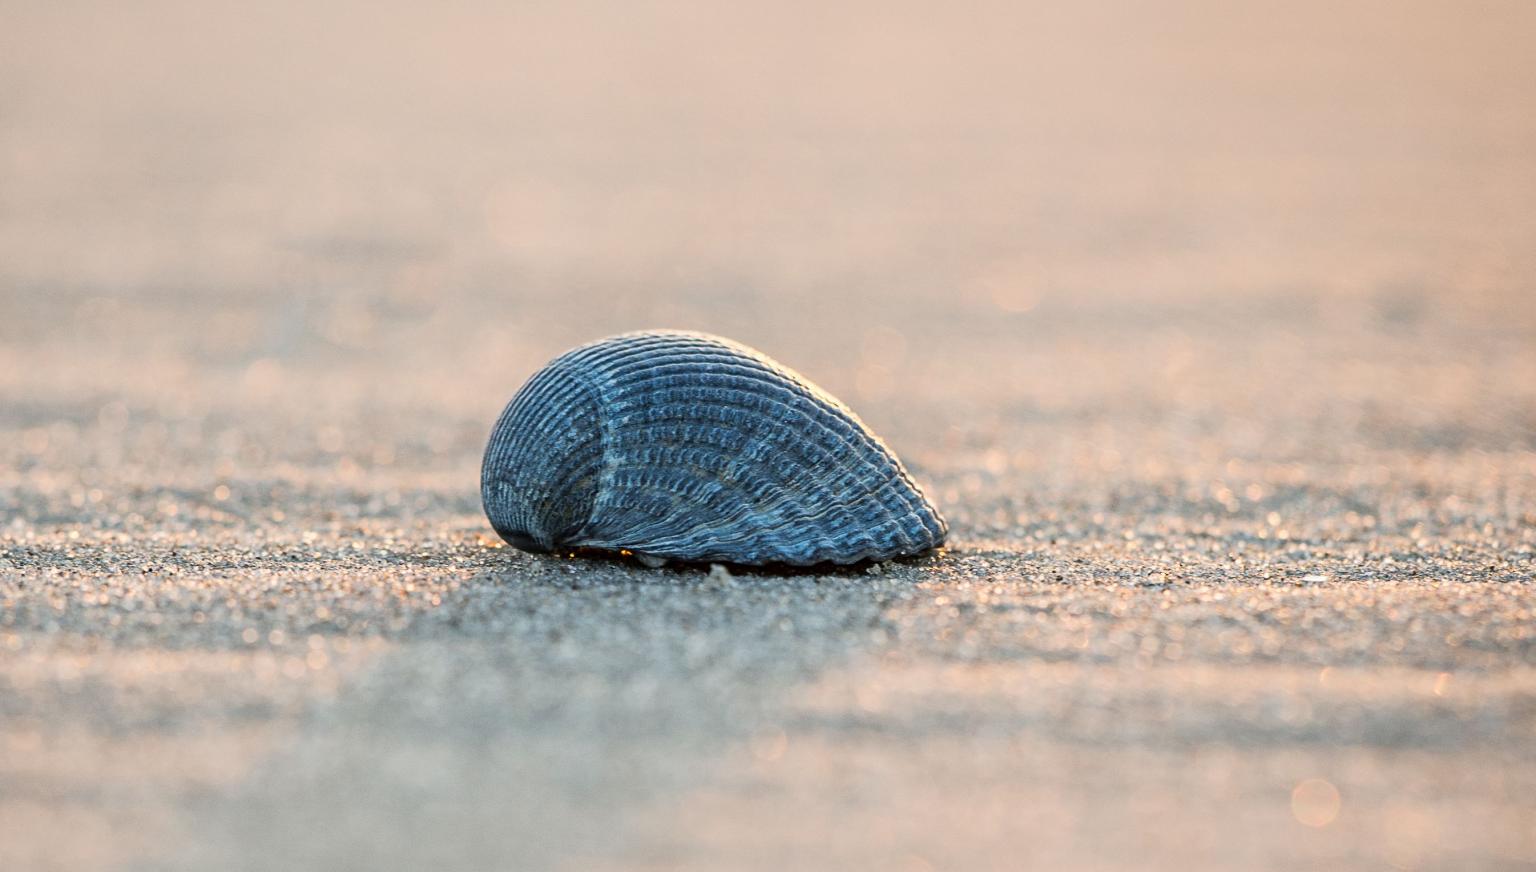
column 690, row 447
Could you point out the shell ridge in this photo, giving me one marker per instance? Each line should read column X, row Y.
column 548, row 496
column 833, row 452
column 843, row 510
column 789, row 515
column 846, row 449
column 607, row 466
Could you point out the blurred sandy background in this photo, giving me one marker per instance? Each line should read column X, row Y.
column 1211, row 326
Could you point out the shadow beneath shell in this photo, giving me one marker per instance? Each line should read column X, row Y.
column 687, row 567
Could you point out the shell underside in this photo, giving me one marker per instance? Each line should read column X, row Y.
column 690, row 447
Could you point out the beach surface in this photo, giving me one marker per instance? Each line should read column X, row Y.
column 1213, row 334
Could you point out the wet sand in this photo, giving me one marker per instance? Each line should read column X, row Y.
column 1214, row 338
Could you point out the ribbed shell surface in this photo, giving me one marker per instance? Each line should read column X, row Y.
column 691, row 447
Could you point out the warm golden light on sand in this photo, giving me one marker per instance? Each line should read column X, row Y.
column 1013, row 299
column 769, row 745
column 1209, row 329
column 1411, row 837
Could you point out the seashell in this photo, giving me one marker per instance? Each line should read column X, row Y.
column 685, row 446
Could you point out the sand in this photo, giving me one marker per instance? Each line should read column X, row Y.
column 1214, row 338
